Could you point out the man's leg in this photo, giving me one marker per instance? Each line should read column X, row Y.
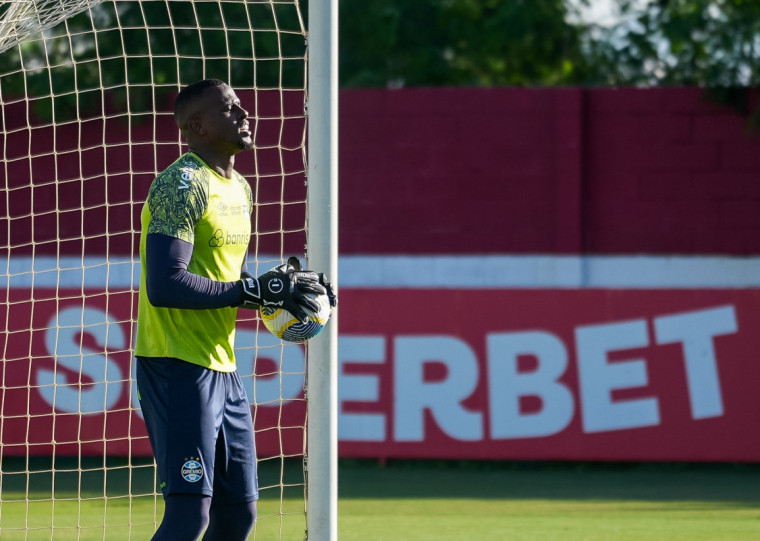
column 230, row 522
column 233, row 509
column 185, row 517
column 180, row 403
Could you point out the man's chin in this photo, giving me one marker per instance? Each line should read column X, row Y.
column 245, row 143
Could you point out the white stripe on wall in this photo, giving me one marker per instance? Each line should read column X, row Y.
column 434, row 272
column 545, row 271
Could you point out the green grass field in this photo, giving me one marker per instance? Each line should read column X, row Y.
column 425, row 501
column 563, row 502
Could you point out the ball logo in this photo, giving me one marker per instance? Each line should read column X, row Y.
column 285, row 326
column 192, row 471
column 275, row 285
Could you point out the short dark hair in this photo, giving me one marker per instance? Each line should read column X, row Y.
column 193, row 91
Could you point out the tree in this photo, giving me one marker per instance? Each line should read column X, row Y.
column 389, row 43
column 713, row 44
column 708, row 43
column 141, row 53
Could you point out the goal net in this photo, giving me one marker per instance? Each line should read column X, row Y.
column 86, row 94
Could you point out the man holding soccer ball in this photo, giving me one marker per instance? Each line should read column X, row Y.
column 196, row 224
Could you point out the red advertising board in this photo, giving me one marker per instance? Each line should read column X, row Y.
column 593, row 295
column 580, row 374
column 551, row 374
column 68, row 377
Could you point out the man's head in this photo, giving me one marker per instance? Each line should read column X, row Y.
column 209, row 115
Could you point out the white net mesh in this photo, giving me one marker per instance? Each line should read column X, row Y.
column 86, row 93
column 20, row 19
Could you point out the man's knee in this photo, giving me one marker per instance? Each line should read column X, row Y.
column 186, row 516
column 231, row 522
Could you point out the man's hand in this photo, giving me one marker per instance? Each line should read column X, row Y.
column 286, row 287
column 329, row 289
column 296, row 264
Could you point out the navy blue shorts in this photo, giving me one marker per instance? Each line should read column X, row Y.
column 200, row 427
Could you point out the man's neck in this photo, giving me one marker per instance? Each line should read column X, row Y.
column 223, row 165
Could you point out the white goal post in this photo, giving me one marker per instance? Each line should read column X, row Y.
column 86, row 93
column 322, row 488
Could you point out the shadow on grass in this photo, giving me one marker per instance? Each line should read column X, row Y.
column 727, row 484
column 730, row 484
column 45, row 477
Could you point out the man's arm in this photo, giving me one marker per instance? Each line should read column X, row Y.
column 171, row 285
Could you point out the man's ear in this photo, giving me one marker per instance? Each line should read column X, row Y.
column 195, row 125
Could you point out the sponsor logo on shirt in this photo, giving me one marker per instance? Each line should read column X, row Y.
column 185, row 176
column 222, row 238
column 224, row 209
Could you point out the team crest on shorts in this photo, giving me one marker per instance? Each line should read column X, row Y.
column 192, row 470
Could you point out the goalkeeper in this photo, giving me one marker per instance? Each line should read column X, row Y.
column 196, row 226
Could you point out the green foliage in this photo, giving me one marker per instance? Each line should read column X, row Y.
column 713, row 44
column 392, row 43
column 709, row 43
column 129, row 56
column 151, row 48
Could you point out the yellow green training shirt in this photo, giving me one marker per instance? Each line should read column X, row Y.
column 191, row 202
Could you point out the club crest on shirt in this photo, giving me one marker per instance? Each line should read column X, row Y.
column 192, row 471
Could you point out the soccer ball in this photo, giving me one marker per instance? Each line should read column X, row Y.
column 283, row 325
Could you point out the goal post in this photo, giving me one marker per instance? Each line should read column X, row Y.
column 322, row 378
column 86, row 93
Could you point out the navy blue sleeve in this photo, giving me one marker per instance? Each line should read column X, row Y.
column 169, row 283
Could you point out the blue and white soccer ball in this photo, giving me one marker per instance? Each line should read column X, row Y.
column 283, row 325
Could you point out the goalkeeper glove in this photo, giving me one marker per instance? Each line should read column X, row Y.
column 329, row 291
column 286, row 287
